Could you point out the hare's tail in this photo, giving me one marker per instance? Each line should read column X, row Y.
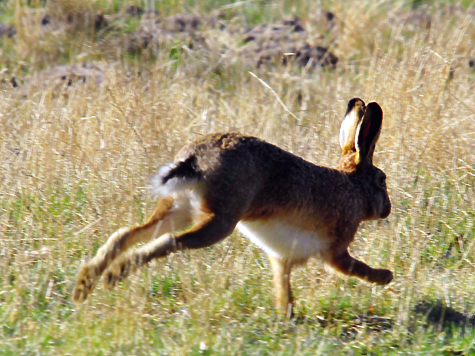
column 175, row 177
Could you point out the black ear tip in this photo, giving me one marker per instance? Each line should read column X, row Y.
column 352, row 103
column 374, row 109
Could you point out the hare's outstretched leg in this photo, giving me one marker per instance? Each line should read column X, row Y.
column 350, row 266
column 210, row 230
column 167, row 216
column 283, row 293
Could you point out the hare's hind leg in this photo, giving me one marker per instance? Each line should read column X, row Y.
column 169, row 214
column 350, row 266
column 209, row 230
column 283, row 293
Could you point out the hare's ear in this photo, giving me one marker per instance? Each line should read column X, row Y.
column 353, row 115
column 368, row 132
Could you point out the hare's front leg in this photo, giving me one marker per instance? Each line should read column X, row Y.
column 350, row 266
column 283, row 293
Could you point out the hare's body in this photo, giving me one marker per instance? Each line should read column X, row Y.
column 291, row 208
column 286, row 205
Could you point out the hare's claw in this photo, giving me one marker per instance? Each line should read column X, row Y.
column 117, row 271
column 85, row 283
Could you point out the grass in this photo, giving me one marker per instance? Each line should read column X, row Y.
column 75, row 162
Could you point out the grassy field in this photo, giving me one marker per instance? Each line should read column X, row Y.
column 76, row 160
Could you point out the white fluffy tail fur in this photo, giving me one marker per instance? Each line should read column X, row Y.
column 171, row 179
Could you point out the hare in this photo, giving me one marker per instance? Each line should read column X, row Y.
column 287, row 206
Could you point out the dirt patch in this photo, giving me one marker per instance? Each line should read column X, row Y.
column 365, row 324
column 214, row 42
column 155, row 32
column 62, row 77
column 281, row 30
column 7, row 30
column 300, row 54
column 133, row 10
column 351, row 328
column 285, row 42
column 74, row 73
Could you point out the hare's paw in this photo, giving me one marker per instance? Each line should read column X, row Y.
column 85, row 283
column 117, row 271
column 382, row 277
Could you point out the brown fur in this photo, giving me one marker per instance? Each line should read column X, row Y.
column 283, row 292
column 222, row 179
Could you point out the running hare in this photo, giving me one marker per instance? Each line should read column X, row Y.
column 289, row 207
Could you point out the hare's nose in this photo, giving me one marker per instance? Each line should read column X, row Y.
column 386, row 210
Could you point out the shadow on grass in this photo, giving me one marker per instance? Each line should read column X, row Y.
column 349, row 328
column 443, row 317
column 434, row 312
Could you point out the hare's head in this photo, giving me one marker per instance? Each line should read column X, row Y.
column 358, row 136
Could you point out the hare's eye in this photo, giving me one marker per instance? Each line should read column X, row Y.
column 382, row 181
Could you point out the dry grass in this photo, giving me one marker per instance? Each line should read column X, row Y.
column 75, row 164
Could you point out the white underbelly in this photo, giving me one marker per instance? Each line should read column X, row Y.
column 283, row 240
